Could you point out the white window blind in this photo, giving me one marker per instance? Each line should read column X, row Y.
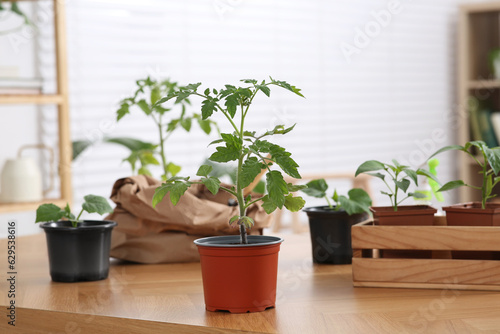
column 388, row 102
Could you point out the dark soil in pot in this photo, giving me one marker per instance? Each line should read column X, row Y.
column 331, row 234
column 78, row 253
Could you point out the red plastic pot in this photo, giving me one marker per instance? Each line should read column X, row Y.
column 239, row 278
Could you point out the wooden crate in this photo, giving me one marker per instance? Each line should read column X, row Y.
column 438, row 272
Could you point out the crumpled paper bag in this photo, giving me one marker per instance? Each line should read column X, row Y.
column 165, row 234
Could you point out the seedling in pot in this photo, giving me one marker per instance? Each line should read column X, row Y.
column 356, row 201
column 51, row 212
column 490, row 167
column 252, row 152
column 399, row 175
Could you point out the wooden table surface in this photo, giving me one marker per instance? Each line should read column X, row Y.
column 168, row 298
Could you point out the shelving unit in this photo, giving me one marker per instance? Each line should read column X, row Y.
column 479, row 33
column 60, row 98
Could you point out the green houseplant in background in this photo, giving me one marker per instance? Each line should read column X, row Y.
column 13, row 7
column 481, row 213
column 250, row 262
column 145, row 154
column 78, row 249
column 398, row 179
column 330, row 225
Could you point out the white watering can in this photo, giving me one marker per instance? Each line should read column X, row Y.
column 21, row 179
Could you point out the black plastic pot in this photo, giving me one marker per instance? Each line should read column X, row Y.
column 78, row 253
column 331, row 234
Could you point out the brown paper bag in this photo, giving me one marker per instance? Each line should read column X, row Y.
column 165, row 234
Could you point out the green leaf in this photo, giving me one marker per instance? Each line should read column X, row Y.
column 452, row 185
column 268, row 205
column 49, row 213
column 295, row 187
column 176, row 190
column 212, row 184
column 155, row 95
column 96, row 204
column 250, row 169
column 204, row 170
column 204, row 125
column 493, row 156
column 208, row 107
column 358, row 202
column 233, row 220
column 403, row 184
column 173, row 169
column 418, row 194
column 294, row 204
column 247, row 221
column 186, row 124
column 250, row 81
column 79, row 146
column 147, row 158
column 316, row 188
column 447, row 148
column 131, row 143
column 276, row 188
column 193, row 87
column 287, row 86
column 379, row 175
column 369, row 166
column 283, row 159
column 144, row 171
column 412, row 175
column 266, row 90
column 124, row 109
column 229, row 152
column 335, row 196
column 232, row 103
column 428, row 175
column 144, row 106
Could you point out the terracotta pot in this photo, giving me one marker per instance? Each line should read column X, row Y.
column 412, row 215
column 239, row 278
column 331, row 234
column 471, row 214
column 78, row 253
column 406, row 215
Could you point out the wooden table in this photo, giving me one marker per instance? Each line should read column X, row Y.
column 169, row 299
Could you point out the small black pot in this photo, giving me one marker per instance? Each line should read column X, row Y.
column 78, row 253
column 331, row 234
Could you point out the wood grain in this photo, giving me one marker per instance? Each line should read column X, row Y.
column 169, row 299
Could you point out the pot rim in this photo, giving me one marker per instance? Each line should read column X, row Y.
column 232, row 241
column 323, row 209
column 62, row 225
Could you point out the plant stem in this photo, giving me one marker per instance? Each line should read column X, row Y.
column 162, row 148
column 328, row 201
column 239, row 189
column 485, row 182
column 79, row 215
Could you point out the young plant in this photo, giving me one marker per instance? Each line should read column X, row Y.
column 146, row 98
column 358, row 201
column 489, row 164
column 250, row 150
column 400, row 176
column 92, row 204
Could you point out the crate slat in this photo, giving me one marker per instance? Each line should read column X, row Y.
column 426, row 237
column 427, row 271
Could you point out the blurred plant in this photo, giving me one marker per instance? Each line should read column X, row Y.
column 13, row 8
column 356, row 201
column 144, row 153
